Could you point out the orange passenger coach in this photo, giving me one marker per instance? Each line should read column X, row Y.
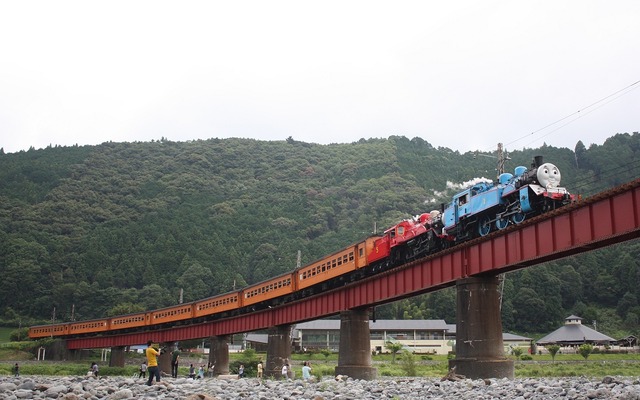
column 170, row 314
column 216, row 304
column 128, row 321
column 267, row 290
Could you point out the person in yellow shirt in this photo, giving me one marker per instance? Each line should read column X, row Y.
column 152, row 362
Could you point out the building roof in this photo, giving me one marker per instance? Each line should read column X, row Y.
column 379, row 325
column 511, row 337
column 258, row 338
column 573, row 332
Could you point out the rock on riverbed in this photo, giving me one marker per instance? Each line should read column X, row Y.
column 78, row 388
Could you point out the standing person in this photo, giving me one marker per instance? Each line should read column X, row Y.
column 175, row 360
column 260, row 369
column 210, row 370
column 16, row 370
column 94, row 369
column 285, row 371
column 143, row 370
column 152, row 362
column 306, row 371
column 241, row 371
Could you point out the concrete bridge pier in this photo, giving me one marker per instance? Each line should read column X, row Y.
column 278, row 350
column 219, row 354
column 354, row 357
column 479, row 346
column 116, row 359
column 164, row 359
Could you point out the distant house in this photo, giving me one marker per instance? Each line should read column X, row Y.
column 417, row 336
column 629, row 341
column 573, row 333
column 258, row 341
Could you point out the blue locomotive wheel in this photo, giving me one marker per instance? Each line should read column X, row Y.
column 484, row 227
column 518, row 218
column 502, row 223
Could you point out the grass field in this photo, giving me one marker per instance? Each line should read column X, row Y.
column 564, row 365
column 4, row 333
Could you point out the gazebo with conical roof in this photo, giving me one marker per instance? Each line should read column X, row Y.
column 574, row 333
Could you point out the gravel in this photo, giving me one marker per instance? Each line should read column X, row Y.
column 76, row 388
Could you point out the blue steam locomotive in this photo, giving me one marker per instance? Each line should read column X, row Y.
column 488, row 206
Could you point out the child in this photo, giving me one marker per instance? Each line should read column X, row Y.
column 94, row 369
column 143, row 370
column 201, row 372
column 16, row 370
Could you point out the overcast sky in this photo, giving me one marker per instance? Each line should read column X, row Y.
column 459, row 74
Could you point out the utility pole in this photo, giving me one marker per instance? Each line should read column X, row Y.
column 501, row 156
column 53, row 319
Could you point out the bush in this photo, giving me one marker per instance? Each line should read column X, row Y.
column 526, row 357
column 408, row 363
column 516, row 351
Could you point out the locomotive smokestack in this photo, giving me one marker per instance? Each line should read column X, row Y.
column 537, row 161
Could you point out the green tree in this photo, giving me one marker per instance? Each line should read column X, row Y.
column 124, row 308
column 585, row 350
column 196, row 282
column 394, row 348
column 553, row 350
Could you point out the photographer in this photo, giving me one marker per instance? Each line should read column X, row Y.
column 152, row 362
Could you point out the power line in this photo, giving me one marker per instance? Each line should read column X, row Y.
column 580, row 113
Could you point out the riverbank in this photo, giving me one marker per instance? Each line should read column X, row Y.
column 74, row 388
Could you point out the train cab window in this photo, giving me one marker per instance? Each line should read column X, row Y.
column 401, row 230
column 462, row 200
column 392, row 233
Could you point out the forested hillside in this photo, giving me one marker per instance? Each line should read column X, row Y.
column 122, row 227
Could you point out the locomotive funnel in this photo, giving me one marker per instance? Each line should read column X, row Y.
column 537, row 161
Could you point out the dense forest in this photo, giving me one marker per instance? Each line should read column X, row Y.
column 89, row 231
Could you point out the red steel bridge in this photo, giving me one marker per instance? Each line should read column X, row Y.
column 604, row 219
